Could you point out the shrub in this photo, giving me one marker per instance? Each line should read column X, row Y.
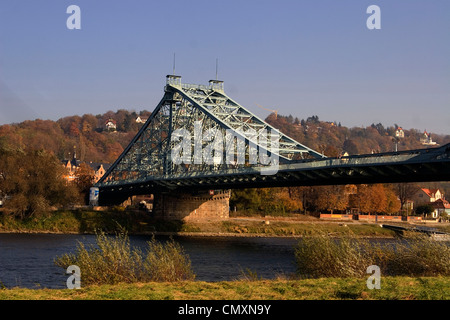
column 320, row 255
column 349, row 256
column 424, row 209
column 113, row 260
column 419, row 255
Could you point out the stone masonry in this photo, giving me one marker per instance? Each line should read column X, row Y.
column 186, row 207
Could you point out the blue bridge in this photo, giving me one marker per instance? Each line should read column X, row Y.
column 199, row 139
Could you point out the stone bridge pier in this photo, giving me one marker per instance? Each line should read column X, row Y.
column 209, row 205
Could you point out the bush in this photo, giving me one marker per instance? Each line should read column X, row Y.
column 113, row 261
column 420, row 255
column 320, row 255
column 349, row 256
column 167, row 262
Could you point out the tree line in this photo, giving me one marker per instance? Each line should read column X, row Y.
column 367, row 199
column 84, row 135
column 332, row 139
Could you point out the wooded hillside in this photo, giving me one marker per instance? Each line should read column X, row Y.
column 89, row 138
column 86, row 135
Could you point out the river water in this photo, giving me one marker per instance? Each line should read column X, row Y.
column 26, row 260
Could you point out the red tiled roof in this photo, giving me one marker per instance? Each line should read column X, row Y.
column 430, row 192
column 441, row 203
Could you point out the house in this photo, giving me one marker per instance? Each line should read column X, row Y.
column 99, row 169
column 73, row 165
column 441, row 206
column 427, row 140
column 110, row 125
column 399, row 133
column 141, row 120
column 433, row 197
column 426, row 196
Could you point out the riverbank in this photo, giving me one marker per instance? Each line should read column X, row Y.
column 84, row 221
column 392, row 288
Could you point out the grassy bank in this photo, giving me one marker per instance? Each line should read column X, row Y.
column 88, row 221
column 135, row 222
column 138, row 222
column 392, row 288
column 294, row 228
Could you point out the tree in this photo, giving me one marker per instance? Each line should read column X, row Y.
column 371, row 199
column 265, row 200
column 330, row 198
column 351, row 147
column 331, row 151
column 424, row 209
column 245, row 199
column 404, row 192
column 313, row 119
column 84, row 179
column 34, row 183
column 74, row 131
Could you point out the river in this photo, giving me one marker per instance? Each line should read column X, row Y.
column 26, row 260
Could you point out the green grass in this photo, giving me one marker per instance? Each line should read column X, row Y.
column 280, row 228
column 392, row 288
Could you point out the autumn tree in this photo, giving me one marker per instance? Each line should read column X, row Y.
column 279, row 200
column 393, row 202
column 84, row 179
column 330, row 198
column 376, row 198
column 265, row 201
column 34, row 183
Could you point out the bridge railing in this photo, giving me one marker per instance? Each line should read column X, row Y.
column 196, row 86
column 351, row 161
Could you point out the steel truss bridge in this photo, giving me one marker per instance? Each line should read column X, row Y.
column 147, row 164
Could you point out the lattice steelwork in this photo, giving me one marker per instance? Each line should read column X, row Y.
column 197, row 109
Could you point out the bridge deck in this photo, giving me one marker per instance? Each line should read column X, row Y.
column 407, row 166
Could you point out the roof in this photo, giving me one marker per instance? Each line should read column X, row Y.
column 95, row 165
column 430, row 192
column 441, row 203
column 74, row 162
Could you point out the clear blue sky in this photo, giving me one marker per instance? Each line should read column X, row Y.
column 311, row 57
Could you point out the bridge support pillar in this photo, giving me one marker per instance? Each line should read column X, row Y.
column 210, row 205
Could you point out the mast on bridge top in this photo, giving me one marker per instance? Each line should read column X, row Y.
column 216, row 84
